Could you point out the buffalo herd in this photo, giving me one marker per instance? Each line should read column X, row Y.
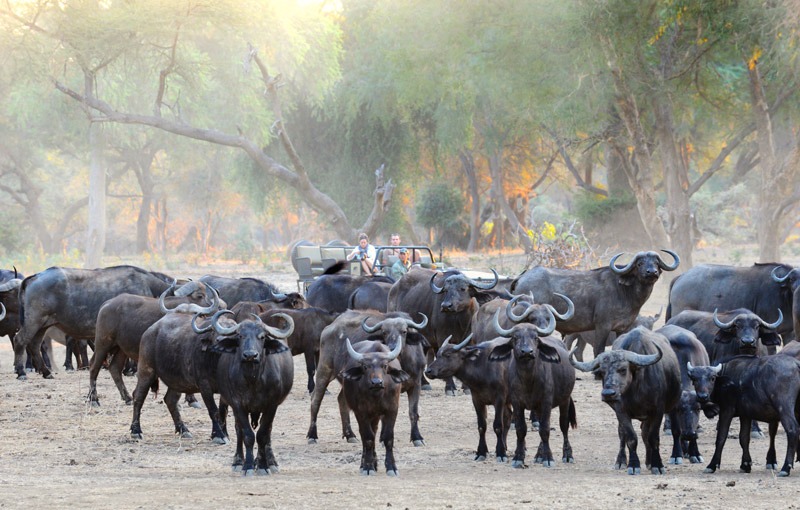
column 724, row 351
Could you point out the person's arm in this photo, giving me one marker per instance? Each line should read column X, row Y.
column 353, row 253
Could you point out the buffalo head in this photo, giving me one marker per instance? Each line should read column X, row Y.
column 372, row 367
column 616, row 368
column 251, row 337
column 524, row 341
column 746, row 328
column 791, row 279
column 645, row 265
column 458, row 291
column 394, row 330
column 703, row 379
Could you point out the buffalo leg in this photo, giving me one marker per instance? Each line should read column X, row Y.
column 115, row 367
column 344, row 413
column 191, row 401
column 789, row 422
column 367, row 429
column 723, row 426
column 502, row 424
column 34, row 347
column 245, row 437
column 387, row 438
column 265, row 461
column 413, row 395
column 565, row 412
column 218, row 436
column 544, row 455
column 480, row 412
column 311, row 367
column 676, row 431
column 171, row 398
column 772, row 458
column 323, row 377
column 627, row 436
column 651, row 433
column 522, row 431
column 146, row 378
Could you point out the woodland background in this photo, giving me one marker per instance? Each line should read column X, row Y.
column 230, row 129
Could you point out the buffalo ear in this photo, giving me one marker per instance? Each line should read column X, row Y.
column 416, row 338
column 482, row 297
column 273, row 346
column 769, row 337
column 227, row 344
column 398, row 375
column 353, row 374
column 549, row 353
column 626, row 279
column 501, row 352
column 472, row 352
column 723, row 337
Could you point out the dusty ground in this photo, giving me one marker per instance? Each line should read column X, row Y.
column 56, row 452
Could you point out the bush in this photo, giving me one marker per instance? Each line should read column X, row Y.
column 593, row 210
column 440, row 206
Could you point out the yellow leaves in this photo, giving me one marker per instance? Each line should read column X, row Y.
column 702, row 41
column 753, row 61
column 548, row 231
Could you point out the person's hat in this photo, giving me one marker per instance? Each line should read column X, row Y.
column 403, row 250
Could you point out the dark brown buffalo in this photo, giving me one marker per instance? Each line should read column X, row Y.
column 540, row 379
column 606, row 298
column 177, row 352
column 308, row 326
column 488, row 384
column 236, row 290
column 9, row 301
column 641, row 381
column 372, row 379
column 727, row 334
column 448, row 299
column 685, row 417
column 370, row 296
column 332, row 290
column 254, row 376
column 792, row 278
column 710, row 287
column 763, row 388
column 516, row 309
column 70, row 299
column 122, row 320
column 391, row 328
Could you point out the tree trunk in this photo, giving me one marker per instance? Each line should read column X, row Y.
column 503, row 211
column 96, row 235
column 144, row 175
column 468, row 165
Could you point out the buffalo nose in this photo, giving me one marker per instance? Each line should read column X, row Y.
column 447, row 307
column 749, row 341
column 376, row 383
column 608, row 393
column 250, row 355
column 702, row 397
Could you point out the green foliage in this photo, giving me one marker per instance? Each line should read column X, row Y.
column 592, row 210
column 441, row 206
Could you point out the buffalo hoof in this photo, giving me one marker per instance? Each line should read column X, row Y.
column 418, row 442
column 548, row 463
column 352, row 439
column 426, row 387
column 568, row 460
column 535, row 426
column 94, row 403
column 696, row 459
column 236, row 468
column 676, row 460
column 467, row 391
column 783, row 473
column 262, row 472
column 195, row 404
column 772, row 467
column 22, row 377
column 368, row 472
column 480, row 458
column 129, row 402
column 634, row 471
column 50, row 376
column 249, row 472
column 519, row 464
column 756, row 434
column 220, row 440
column 273, row 469
column 709, row 470
column 658, row 470
column 501, row 459
column 746, row 467
column 186, row 435
column 392, row 472
column 450, row 393
column 619, row 465
column 312, row 440
column 137, row 436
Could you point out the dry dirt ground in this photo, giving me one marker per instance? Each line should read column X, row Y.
column 56, row 452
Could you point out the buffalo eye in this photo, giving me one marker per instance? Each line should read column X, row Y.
column 622, row 370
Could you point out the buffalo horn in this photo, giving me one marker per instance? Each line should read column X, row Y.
column 3, row 313
column 570, row 308
column 370, row 329
column 435, row 288
column 510, row 307
column 396, row 351
column 776, row 277
column 720, row 324
column 352, row 352
column 163, row 295
column 186, row 289
column 716, row 368
column 463, row 343
column 10, row 284
column 551, row 324
column 621, row 270
column 418, row 325
column 278, row 297
column 487, row 285
column 197, row 329
column 774, row 324
column 280, row 333
column 676, row 261
column 583, row 366
column 446, row 342
column 643, row 360
column 498, row 328
column 222, row 330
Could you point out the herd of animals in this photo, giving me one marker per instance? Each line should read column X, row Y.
column 508, row 343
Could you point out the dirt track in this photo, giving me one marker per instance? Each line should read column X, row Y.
column 57, row 452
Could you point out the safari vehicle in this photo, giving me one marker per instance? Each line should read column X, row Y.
column 310, row 260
